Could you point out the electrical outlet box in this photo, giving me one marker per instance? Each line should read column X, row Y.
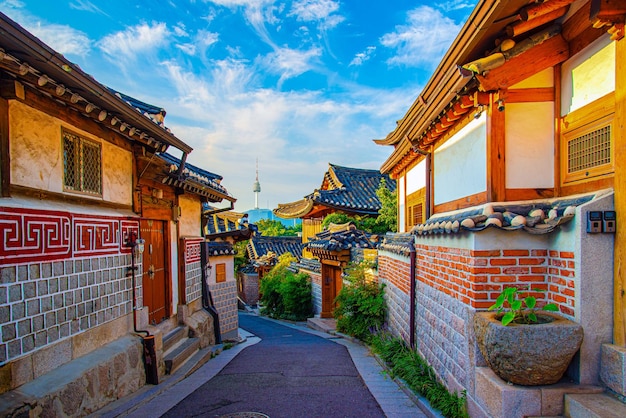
column 594, row 222
column 609, row 221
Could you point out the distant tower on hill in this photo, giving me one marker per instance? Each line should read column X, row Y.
column 256, row 188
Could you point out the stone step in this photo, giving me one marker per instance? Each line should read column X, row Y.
column 173, row 337
column 598, row 405
column 180, row 353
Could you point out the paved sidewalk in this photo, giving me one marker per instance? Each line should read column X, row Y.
column 154, row 401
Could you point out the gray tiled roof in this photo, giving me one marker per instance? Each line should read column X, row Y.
column 352, row 189
column 220, row 248
column 341, row 240
column 197, row 175
column 259, row 246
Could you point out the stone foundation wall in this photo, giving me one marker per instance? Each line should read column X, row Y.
column 192, row 268
column 393, row 271
column 316, row 289
column 82, row 386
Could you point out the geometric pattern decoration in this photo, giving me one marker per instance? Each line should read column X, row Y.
column 28, row 235
column 192, row 250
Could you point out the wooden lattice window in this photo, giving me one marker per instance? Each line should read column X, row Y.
column 415, row 209
column 220, row 273
column 587, row 142
column 82, row 164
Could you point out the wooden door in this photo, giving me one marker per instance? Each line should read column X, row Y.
column 331, row 285
column 155, row 278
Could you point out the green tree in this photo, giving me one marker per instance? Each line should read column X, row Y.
column 273, row 228
column 388, row 215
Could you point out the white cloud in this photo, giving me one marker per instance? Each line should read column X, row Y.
column 61, row 38
column 140, row 39
column 452, row 5
column 289, row 63
column 360, row 58
column 189, row 49
column 87, row 6
column 423, row 40
column 316, row 10
column 228, row 118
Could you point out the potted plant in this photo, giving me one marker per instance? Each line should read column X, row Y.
column 524, row 344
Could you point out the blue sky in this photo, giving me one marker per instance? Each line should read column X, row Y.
column 297, row 84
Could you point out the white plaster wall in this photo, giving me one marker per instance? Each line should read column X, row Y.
column 189, row 221
column 37, row 155
column 401, row 203
column 529, row 145
column 588, row 75
column 229, row 262
column 416, row 178
column 461, row 170
column 593, row 254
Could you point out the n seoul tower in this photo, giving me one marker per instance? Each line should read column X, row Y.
column 256, row 188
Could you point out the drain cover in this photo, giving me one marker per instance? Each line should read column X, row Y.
column 245, row 415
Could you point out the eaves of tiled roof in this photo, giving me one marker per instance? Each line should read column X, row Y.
column 401, row 243
column 308, row 264
column 340, row 240
column 220, row 248
column 194, row 180
column 36, row 65
column 259, row 246
column 535, row 217
column 351, row 190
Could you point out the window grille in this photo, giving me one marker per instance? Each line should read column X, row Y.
column 417, row 214
column 82, row 164
column 593, row 149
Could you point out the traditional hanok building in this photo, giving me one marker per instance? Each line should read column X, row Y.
column 263, row 253
column 221, row 231
column 510, row 172
column 335, row 248
column 101, row 237
column 344, row 190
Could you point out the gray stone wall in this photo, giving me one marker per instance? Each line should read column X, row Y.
column 225, row 301
column 41, row 303
column 444, row 328
column 398, row 308
column 193, row 281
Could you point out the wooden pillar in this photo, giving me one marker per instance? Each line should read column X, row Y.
column 496, row 169
column 619, row 141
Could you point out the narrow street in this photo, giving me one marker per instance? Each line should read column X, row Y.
column 282, row 371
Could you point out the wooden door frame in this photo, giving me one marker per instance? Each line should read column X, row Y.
column 166, row 264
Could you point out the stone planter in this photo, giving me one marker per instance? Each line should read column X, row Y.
column 536, row 354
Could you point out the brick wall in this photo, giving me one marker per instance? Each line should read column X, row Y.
column 477, row 277
column 249, row 288
column 394, row 273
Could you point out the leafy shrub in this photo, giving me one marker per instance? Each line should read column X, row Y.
column 284, row 294
column 409, row 366
column 361, row 307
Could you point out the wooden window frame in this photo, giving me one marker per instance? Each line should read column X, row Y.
column 414, row 200
column 80, row 143
column 592, row 117
column 220, row 273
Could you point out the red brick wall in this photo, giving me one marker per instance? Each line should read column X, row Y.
column 397, row 272
column 477, row 277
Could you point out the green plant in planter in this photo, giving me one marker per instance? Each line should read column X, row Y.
column 521, row 310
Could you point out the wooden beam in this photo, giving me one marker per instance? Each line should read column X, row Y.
column 537, row 10
column 545, row 55
column 516, row 29
column 496, row 166
column 531, row 95
column 619, row 311
column 462, row 203
column 577, row 23
column 5, row 156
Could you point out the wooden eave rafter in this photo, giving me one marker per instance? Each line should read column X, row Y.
column 192, row 186
column 32, row 63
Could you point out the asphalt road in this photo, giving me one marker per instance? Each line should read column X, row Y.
column 289, row 373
